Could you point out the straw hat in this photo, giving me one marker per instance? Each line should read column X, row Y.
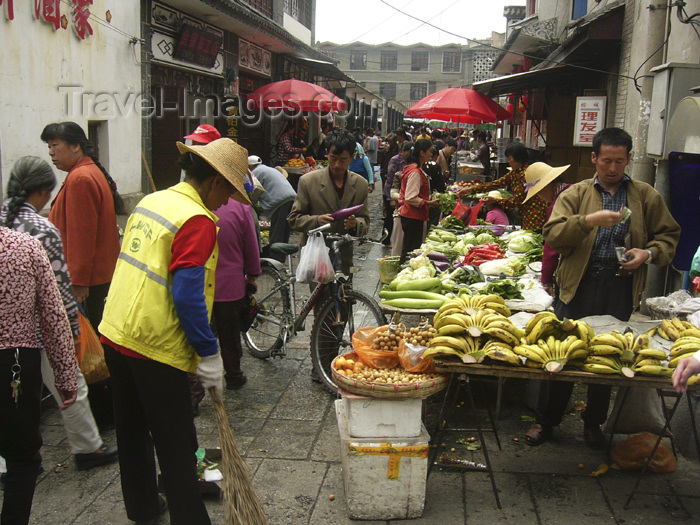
column 495, row 194
column 538, row 175
column 227, row 158
column 282, row 171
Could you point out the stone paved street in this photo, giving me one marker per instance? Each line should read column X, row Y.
column 285, row 427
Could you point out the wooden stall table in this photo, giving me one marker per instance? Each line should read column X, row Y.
column 662, row 385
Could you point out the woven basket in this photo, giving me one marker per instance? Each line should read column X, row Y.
column 388, row 391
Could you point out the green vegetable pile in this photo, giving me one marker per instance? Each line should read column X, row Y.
column 448, row 200
column 524, row 241
column 452, row 223
column 506, row 288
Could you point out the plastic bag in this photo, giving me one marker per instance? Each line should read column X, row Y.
column 633, row 453
column 362, row 344
column 411, row 358
column 467, row 214
column 91, row 356
column 695, row 265
column 315, row 263
column 641, row 413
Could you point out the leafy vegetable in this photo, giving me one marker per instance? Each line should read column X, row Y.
column 524, row 242
column 485, row 238
column 448, row 200
column 510, row 267
column 452, row 222
column 505, row 288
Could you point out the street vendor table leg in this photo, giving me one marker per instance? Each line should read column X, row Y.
column 692, row 423
column 499, row 395
column 488, row 411
column 440, row 423
column 653, row 452
column 617, row 416
column 483, row 444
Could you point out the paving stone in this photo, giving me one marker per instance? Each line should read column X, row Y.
column 284, row 439
column 327, row 447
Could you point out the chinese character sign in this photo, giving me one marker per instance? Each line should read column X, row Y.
column 48, row 11
column 81, row 14
column 9, row 9
column 590, row 119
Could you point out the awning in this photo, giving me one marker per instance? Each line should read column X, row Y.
column 538, row 78
column 324, row 68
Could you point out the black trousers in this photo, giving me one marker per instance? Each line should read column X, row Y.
column 100, row 393
column 227, row 316
column 388, row 219
column 412, row 236
column 279, row 227
column 152, row 407
column 599, row 293
column 20, row 439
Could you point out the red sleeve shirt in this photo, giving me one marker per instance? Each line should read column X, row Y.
column 193, row 243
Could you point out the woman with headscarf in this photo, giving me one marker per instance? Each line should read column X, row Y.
column 29, row 189
column 156, row 329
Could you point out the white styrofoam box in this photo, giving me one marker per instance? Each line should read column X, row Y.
column 374, row 418
column 383, row 480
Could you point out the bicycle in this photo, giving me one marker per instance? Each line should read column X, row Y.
column 339, row 316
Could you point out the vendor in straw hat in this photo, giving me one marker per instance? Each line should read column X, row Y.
column 156, row 329
column 494, row 213
column 541, row 180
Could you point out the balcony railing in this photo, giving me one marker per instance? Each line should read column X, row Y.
column 263, row 6
column 299, row 10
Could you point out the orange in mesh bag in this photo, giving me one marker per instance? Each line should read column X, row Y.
column 633, row 453
column 378, row 347
column 411, row 358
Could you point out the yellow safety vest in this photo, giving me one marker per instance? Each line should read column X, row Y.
column 140, row 313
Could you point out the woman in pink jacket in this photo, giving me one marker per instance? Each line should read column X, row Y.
column 239, row 265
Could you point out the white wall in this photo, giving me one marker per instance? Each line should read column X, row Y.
column 37, row 60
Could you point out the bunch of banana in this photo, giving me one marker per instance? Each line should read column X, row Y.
column 618, row 353
column 685, row 346
column 479, row 302
column 671, row 329
column 500, row 351
column 546, row 324
column 467, row 348
column 606, row 364
column 552, row 354
column 455, row 305
column 618, row 345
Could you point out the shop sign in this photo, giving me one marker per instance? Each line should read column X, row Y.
column 254, row 58
column 590, row 119
column 197, row 45
column 49, row 11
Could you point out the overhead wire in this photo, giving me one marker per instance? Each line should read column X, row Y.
column 381, row 23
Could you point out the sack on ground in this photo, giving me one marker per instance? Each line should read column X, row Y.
column 362, row 344
column 411, row 358
column 641, row 412
column 91, row 356
column 634, row 452
column 314, row 263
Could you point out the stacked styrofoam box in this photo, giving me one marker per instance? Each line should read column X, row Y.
column 382, row 418
column 385, row 476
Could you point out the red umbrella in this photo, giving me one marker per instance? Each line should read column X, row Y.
column 295, row 95
column 459, row 105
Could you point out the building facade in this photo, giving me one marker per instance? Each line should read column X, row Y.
column 73, row 61
column 406, row 74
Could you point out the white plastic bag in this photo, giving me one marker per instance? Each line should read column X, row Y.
column 315, row 263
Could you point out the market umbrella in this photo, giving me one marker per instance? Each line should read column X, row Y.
column 459, row 105
column 295, row 95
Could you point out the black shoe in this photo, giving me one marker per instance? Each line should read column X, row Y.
column 195, row 409
column 594, row 437
column 236, row 381
column 105, row 454
column 162, row 507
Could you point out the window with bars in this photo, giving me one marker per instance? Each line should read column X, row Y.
column 418, row 91
column 451, row 61
column 358, row 59
column 264, row 6
column 299, row 10
column 419, row 60
column 389, row 60
column 387, row 90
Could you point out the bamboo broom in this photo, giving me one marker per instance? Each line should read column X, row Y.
column 242, row 505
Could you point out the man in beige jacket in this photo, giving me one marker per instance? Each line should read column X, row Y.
column 587, row 223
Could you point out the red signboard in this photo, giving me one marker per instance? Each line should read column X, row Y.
column 197, row 45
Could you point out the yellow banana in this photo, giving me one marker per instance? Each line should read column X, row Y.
column 441, row 350
column 640, row 343
column 688, row 325
column 652, row 353
column 532, row 364
column 629, row 339
column 604, row 360
column 506, row 356
column 452, row 329
column 655, row 371
column 660, row 330
column 671, row 331
column 678, row 324
column 598, row 369
column 673, row 363
column 502, row 334
column 444, row 340
column 602, row 349
column 684, row 348
column 607, row 340
column 528, row 352
column 651, row 332
column 647, row 362
column 690, row 332
column 500, row 309
column 536, row 319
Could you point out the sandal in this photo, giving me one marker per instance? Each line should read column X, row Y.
column 537, row 434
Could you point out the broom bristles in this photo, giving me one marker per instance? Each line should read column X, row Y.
column 242, row 505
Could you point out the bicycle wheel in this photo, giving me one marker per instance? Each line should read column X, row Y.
column 265, row 334
column 332, row 331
